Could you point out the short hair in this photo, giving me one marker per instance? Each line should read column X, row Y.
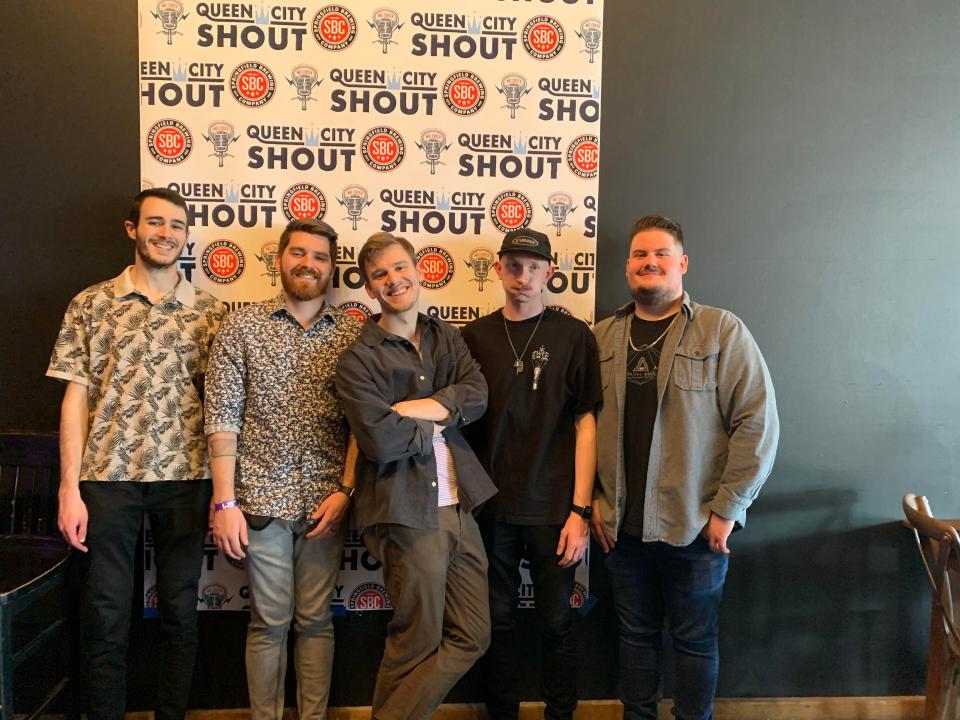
column 376, row 244
column 658, row 222
column 313, row 227
column 163, row 193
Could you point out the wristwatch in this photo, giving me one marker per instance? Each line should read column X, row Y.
column 348, row 491
column 584, row 511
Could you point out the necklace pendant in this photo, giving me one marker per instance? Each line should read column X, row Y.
column 518, row 364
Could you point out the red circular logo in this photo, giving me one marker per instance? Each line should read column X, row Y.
column 464, row 93
column 356, row 310
column 304, row 200
column 223, row 262
column 583, row 156
column 169, row 142
column 578, row 596
column 436, row 267
column 252, row 84
column 334, row 27
column 543, row 37
column 369, row 596
column 383, row 149
column 511, row 210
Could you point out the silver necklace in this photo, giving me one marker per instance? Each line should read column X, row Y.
column 518, row 359
column 648, row 346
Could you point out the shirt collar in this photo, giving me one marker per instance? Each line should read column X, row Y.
column 277, row 307
column 184, row 292
column 372, row 334
column 686, row 306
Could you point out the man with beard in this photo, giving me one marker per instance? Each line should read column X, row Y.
column 133, row 352
column 408, row 385
column 282, row 473
column 687, row 436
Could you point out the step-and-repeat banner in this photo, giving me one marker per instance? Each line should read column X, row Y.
column 447, row 124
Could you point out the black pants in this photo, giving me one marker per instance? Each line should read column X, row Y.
column 178, row 518
column 506, row 544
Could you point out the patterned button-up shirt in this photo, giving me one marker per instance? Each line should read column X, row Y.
column 143, row 366
column 271, row 382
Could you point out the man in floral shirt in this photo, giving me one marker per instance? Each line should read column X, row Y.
column 133, row 352
column 281, row 488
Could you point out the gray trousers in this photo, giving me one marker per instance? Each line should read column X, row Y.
column 437, row 583
column 291, row 579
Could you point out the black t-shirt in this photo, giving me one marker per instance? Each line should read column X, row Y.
column 526, row 441
column 640, row 410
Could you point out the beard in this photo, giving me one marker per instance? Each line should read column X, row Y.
column 652, row 296
column 303, row 289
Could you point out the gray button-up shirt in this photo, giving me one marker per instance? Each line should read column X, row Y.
column 716, row 430
column 396, row 469
column 271, row 381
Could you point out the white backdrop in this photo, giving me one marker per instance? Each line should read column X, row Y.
column 447, row 127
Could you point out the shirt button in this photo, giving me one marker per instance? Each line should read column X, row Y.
column 422, row 378
column 433, row 484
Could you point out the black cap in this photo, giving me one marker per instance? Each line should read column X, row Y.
column 528, row 241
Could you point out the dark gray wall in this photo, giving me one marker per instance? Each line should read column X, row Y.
column 810, row 150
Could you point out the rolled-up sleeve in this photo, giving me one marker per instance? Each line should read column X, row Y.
column 225, row 396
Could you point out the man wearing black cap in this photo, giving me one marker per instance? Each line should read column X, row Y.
column 537, row 441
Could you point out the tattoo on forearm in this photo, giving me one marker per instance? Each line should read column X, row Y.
column 223, row 448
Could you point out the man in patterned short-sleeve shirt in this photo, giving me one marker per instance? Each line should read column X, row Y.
column 133, row 352
column 282, row 504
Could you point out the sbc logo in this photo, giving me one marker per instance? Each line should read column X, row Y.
column 383, row 149
column 369, row 596
column 583, row 156
column 579, row 595
column 169, row 142
column 334, row 27
column 356, row 310
column 464, row 93
column 511, row 210
column 436, row 267
column 543, row 37
column 252, row 84
column 222, row 262
column 304, row 200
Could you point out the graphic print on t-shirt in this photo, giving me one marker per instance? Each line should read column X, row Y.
column 643, row 351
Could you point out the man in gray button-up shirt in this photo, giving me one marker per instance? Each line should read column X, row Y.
column 686, row 437
column 408, row 385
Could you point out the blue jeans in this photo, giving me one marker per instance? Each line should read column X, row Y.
column 292, row 581
column 506, row 545
column 653, row 582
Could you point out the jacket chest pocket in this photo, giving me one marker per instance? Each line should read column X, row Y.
column 695, row 367
column 606, row 371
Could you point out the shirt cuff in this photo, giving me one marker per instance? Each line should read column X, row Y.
column 211, row 428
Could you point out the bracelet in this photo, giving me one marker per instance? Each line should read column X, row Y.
column 225, row 504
